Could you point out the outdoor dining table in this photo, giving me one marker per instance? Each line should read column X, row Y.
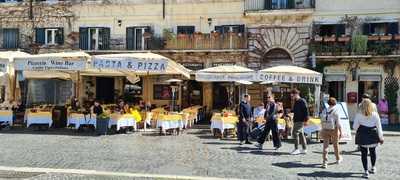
column 222, row 123
column 313, row 126
column 6, row 116
column 79, row 119
column 170, row 121
column 122, row 120
column 38, row 118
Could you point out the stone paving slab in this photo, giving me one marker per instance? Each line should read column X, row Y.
column 195, row 153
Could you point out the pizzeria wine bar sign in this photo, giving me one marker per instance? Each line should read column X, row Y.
column 53, row 63
column 289, row 78
column 131, row 64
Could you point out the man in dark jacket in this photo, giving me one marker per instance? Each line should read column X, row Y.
column 300, row 118
column 244, row 124
column 271, row 124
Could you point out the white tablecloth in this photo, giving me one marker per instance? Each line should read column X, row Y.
column 218, row 124
column 43, row 118
column 122, row 121
column 311, row 129
column 6, row 117
column 81, row 119
column 170, row 124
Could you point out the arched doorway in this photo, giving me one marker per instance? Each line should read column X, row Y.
column 275, row 57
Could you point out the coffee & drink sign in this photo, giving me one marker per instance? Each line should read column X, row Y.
column 51, row 63
column 130, row 64
column 290, row 78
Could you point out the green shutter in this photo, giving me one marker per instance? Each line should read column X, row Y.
column 130, row 39
column 60, row 36
column 83, row 38
column 40, row 36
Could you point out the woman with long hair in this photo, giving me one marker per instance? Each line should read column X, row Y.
column 369, row 134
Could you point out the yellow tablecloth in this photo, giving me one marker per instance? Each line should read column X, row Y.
column 314, row 121
column 6, row 113
column 39, row 114
column 170, row 117
column 229, row 119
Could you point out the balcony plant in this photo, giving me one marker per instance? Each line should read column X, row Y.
column 318, row 38
column 330, row 38
column 344, row 38
column 359, row 44
column 386, row 37
column 397, row 37
column 373, row 37
column 391, row 90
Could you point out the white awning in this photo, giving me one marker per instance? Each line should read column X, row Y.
column 227, row 73
column 140, row 64
column 7, row 57
column 46, row 75
column 52, row 61
column 335, row 77
column 290, row 74
column 370, row 78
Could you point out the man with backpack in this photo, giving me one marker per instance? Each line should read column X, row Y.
column 331, row 131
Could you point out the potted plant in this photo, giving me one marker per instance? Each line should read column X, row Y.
column 102, row 122
column 386, row 37
column 344, row 38
column 391, row 90
column 330, row 38
column 359, row 44
column 318, row 38
column 397, row 37
column 373, row 37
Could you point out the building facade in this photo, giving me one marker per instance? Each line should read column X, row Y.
column 324, row 35
column 356, row 45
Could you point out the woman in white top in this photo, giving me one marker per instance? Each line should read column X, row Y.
column 369, row 133
column 331, row 131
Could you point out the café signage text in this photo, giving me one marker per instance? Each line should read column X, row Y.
column 43, row 64
column 131, row 64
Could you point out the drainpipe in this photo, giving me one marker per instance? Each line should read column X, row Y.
column 163, row 3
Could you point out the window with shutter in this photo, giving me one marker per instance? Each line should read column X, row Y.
column 135, row 38
column 340, row 30
column 10, row 38
column 394, row 28
column 268, row 4
column 185, row 29
column 366, row 29
column 104, row 39
column 60, row 36
column 84, row 38
column 40, row 36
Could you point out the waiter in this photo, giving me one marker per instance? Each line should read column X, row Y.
column 244, row 125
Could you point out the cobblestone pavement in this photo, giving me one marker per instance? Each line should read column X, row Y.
column 195, row 153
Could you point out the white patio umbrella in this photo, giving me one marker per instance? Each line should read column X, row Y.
column 226, row 73
column 293, row 74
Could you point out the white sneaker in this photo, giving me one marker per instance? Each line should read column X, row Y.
column 324, row 165
column 259, row 146
column 241, row 142
column 373, row 170
column 366, row 174
column 339, row 161
column 295, row 152
column 303, row 151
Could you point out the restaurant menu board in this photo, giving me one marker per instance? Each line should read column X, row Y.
column 163, row 92
column 64, row 91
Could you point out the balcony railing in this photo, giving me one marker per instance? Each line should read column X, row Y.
column 343, row 46
column 258, row 5
column 213, row 41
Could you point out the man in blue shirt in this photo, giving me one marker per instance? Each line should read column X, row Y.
column 244, row 125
